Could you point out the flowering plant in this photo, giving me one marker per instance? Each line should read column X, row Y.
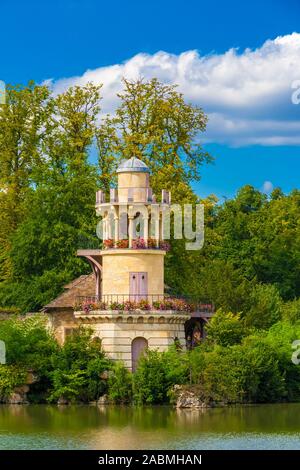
column 138, row 243
column 122, row 243
column 143, row 304
column 88, row 305
column 129, row 305
column 108, row 243
column 165, row 246
column 116, row 306
column 151, row 243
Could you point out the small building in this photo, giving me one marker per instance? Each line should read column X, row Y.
column 124, row 299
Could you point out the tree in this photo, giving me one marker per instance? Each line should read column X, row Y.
column 60, row 207
column 265, row 306
column 225, row 329
column 155, row 124
column 22, row 123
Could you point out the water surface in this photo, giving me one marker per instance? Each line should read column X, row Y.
column 92, row 427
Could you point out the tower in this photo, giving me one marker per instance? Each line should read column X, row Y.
column 133, row 258
column 130, row 310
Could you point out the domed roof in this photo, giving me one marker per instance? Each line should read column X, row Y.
column 133, row 165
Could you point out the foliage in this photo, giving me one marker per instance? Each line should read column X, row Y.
column 119, row 384
column 10, row 378
column 77, row 368
column 290, row 311
column 225, row 328
column 150, row 383
column 265, row 306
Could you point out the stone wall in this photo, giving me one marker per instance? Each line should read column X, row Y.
column 62, row 323
column 117, row 264
column 117, row 331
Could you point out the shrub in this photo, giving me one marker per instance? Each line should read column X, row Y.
column 120, row 384
column 11, row 376
column 150, row 384
column 290, row 311
column 225, row 329
column 77, row 368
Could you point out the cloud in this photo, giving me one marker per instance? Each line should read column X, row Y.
column 247, row 95
column 267, row 187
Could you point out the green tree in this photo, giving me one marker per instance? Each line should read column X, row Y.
column 155, row 124
column 225, row 328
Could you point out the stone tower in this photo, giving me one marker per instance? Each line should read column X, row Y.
column 130, row 310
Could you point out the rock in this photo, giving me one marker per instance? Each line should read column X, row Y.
column 31, row 378
column 17, row 399
column 23, row 389
column 187, row 397
column 103, row 400
column 62, row 401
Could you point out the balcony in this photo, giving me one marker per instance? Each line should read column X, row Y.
column 142, row 304
column 136, row 244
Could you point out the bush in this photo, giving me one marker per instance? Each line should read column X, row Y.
column 150, row 383
column 225, row 329
column 290, row 311
column 77, row 368
column 120, row 384
column 10, row 378
column 242, row 373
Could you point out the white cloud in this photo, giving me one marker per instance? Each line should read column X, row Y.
column 267, row 187
column 247, row 95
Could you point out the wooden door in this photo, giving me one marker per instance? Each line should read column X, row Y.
column 138, row 346
column 138, row 286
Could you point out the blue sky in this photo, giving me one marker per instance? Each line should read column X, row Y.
column 253, row 131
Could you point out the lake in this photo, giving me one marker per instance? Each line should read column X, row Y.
column 115, row 427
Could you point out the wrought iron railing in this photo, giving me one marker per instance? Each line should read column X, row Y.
column 130, row 302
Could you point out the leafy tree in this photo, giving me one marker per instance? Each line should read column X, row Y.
column 225, row 328
column 265, row 306
column 155, row 124
column 22, row 122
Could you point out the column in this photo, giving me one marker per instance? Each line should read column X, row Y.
column 146, row 228
column 130, row 230
column 116, row 229
column 157, row 228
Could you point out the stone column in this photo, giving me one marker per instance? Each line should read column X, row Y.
column 130, row 230
column 116, row 229
column 146, row 228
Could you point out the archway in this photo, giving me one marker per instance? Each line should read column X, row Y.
column 138, row 345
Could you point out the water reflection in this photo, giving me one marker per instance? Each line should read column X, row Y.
column 92, row 427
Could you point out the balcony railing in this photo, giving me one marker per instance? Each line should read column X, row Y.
column 144, row 302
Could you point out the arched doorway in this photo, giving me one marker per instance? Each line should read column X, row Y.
column 138, row 345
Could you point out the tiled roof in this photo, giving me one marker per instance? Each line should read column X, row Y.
column 81, row 286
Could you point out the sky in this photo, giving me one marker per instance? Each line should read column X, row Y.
column 238, row 61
